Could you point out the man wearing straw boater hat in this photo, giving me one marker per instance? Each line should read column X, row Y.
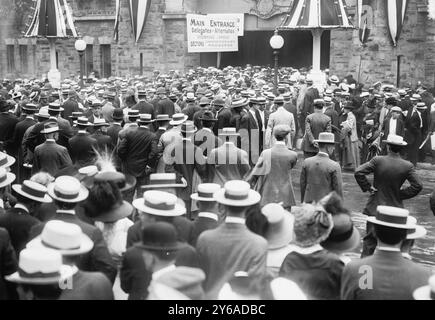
column 71, row 242
column 154, row 206
column 81, row 146
column 67, row 193
column 173, row 134
column 389, row 275
column 49, row 156
column 320, row 175
column 231, row 247
column 19, row 220
column 390, row 173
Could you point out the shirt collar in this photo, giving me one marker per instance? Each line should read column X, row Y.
column 207, row 129
column 50, row 140
column 162, row 128
column 323, row 154
column 117, row 123
column 209, row 215
column 82, row 131
column 387, row 249
column 235, row 220
column 280, row 143
column 30, row 117
column 22, row 207
column 72, row 212
column 162, row 271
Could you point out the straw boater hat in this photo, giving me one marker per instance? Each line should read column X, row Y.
column 50, row 127
column 426, row 292
column 6, row 160
column 239, row 103
column 395, row 140
column 162, row 117
column 178, row 118
column 396, row 109
column 228, row 132
column 237, row 193
column 55, row 106
column 312, row 225
column 164, row 180
column 206, row 192
column 334, row 79
column 41, row 266
column 75, row 115
column 6, row 178
column 392, row 217
column 159, row 203
column 100, row 123
column 145, row 118
column 43, row 113
column 33, row 191
column 417, row 232
column 279, row 232
column 326, row 137
column 30, row 107
column 67, row 189
column 67, row 238
column 188, row 127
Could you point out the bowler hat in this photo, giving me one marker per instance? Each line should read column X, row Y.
column 160, row 236
column 118, row 114
column 204, row 101
column 218, row 102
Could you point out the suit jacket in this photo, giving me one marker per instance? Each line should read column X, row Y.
column 137, row 150
column 99, row 258
column 197, row 115
column 331, row 113
column 81, row 148
column 35, row 137
column 7, row 126
column 392, row 277
column 18, row 223
column 190, row 110
column 201, row 224
column 223, row 116
column 165, row 106
column 319, row 176
column 88, row 286
column 273, row 175
column 307, row 106
column 228, row 163
column 250, row 136
column 103, row 141
column 400, row 128
column 390, row 172
column 314, row 124
column 50, row 157
column 145, row 107
column 8, row 265
column 69, row 106
column 113, row 133
column 414, row 128
column 280, row 116
column 229, row 248
column 19, row 131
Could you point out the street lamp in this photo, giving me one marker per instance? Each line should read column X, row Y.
column 276, row 42
column 80, row 46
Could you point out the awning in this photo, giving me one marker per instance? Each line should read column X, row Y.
column 314, row 14
column 52, row 19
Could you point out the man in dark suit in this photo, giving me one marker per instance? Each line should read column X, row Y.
column 316, row 123
column 19, row 220
column 386, row 275
column 205, row 137
column 390, row 173
column 307, row 105
column 104, row 142
column 67, row 192
column 70, row 105
column 81, row 146
column 204, row 104
column 143, row 106
column 49, row 156
column 394, row 125
column 192, row 107
column 222, row 114
column 7, row 126
column 8, row 265
column 250, row 128
column 413, row 133
column 335, row 125
column 115, row 126
column 164, row 105
column 138, row 150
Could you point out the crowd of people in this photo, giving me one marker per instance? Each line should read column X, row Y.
column 179, row 186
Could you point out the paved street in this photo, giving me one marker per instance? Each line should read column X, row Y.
column 424, row 249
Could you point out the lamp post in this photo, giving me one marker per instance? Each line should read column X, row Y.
column 276, row 42
column 80, row 46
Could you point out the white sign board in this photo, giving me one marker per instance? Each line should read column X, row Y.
column 238, row 18
column 215, row 33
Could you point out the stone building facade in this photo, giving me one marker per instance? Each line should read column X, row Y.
column 163, row 43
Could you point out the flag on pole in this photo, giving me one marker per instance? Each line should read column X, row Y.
column 396, row 12
column 365, row 19
column 52, row 19
column 117, row 12
column 139, row 10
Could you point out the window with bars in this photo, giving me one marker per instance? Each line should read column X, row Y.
column 24, row 62
column 10, row 57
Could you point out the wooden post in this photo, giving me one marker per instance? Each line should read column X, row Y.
column 218, row 59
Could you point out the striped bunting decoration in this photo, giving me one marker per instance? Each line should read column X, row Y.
column 117, row 13
column 52, row 19
column 139, row 10
column 365, row 19
column 396, row 12
column 308, row 14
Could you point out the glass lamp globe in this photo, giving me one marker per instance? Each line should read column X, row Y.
column 276, row 41
column 80, row 45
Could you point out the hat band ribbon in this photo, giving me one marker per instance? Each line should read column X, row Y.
column 161, row 181
column 391, row 219
column 341, row 236
column 178, row 118
column 39, row 274
column 65, row 196
column 205, row 194
column 236, row 197
column 3, row 161
column 51, row 246
column 32, row 192
column 160, row 206
column 3, row 178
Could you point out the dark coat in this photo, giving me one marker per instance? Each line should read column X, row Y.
column 190, row 110
column 8, row 265
column 69, row 107
column 223, row 116
column 145, row 107
column 99, row 258
column 103, row 141
column 20, row 129
column 35, row 137
column 165, row 106
column 400, row 128
column 137, row 150
column 88, row 286
column 413, row 135
column 7, row 126
column 201, row 224
column 308, row 102
column 81, row 148
column 18, row 223
column 390, row 172
column 393, row 277
column 50, row 157
column 113, row 133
